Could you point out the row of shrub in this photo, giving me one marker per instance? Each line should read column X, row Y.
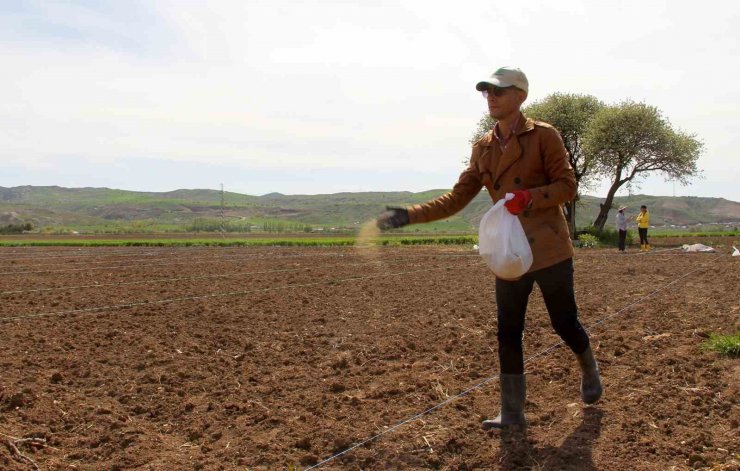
column 270, row 226
column 16, row 228
column 451, row 240
column 591, row 237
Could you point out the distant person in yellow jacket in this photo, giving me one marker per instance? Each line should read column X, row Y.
column 643, row 223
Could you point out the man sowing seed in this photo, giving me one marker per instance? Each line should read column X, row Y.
column 526, row 158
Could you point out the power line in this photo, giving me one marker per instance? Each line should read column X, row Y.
column 222, row 212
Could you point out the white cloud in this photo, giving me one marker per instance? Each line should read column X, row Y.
column 274, row 86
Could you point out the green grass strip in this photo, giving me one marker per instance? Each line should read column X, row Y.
column 728, row 345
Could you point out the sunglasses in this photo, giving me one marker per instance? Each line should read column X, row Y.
column 495, row 91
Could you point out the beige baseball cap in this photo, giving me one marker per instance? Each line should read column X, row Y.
column 505, row 77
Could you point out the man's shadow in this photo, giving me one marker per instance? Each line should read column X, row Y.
column 575, row 454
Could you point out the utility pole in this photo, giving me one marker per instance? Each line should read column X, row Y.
column 223, row 235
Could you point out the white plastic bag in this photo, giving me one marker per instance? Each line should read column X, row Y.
column 503, row 243
column 697, row 248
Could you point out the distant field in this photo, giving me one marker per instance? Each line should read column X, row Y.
column 57, row 210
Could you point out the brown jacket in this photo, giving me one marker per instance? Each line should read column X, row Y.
column 535, row 160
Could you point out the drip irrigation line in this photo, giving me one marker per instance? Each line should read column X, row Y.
column 84, row 249
column 113, row 307
column 99, row 251
column 155, row 281
column 164, row 280
column 234, row 258
column 227, row 259
column 655, row 252
column 148, row 258
column 214, row 256
column 627, row 254
column 97, row 262
column 155, row 251
column 132, row 251
column 208, row 256
column 82, row 256
column 491, row 378
column 93, row 252
column 201, row 277
column 135, row 254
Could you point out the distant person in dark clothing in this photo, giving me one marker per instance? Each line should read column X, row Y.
column 622, row 227
column 643, row 223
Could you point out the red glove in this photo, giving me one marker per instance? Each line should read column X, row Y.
column 519, row 202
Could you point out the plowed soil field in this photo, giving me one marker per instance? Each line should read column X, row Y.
column 279, row 358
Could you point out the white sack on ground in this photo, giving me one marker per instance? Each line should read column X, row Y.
column 503, row 243
column 697, row 248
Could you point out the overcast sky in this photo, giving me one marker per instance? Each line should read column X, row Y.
column 330, row 96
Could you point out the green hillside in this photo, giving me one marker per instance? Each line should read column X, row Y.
column 108, row 210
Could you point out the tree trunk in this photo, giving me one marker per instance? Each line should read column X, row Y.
column 570, row 207
column 606, row 206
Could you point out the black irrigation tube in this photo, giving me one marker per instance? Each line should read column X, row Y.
column 81, row 256
column 215, row 295
column 207, row 257
column 130, row 252
column 161, row 280
column 258, row 254
column 81, row 252
column 156, row 251
column 262, row 255
column 227, row 259
column 98, row 252
column 148, row 258
column 200, row 277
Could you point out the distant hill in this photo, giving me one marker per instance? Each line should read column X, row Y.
column 102, row 208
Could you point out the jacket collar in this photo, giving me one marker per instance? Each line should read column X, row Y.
column 525, row 125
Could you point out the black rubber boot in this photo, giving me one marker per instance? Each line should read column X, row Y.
column 513, row 394
column 591, row 388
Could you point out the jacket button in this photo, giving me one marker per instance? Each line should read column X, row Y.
column 525, row 213
column 517, row 180
column 497, row 186
column 531, row 240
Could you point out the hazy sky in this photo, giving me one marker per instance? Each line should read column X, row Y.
column 329, row 96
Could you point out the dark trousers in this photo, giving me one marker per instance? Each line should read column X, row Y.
column 643, row 235
column 622, row 239
column 556, row 284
